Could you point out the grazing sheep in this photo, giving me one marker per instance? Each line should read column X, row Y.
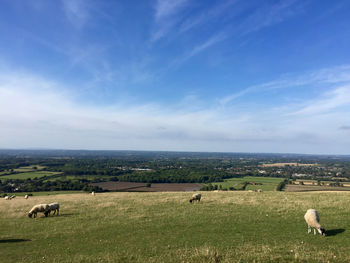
column 7, row 197
column 93, row 193
column 313, row 221
column 39, row 208
column 26, row 196
column 259, row 190
column 195, row 197
column 12, row 196
column 54, row 207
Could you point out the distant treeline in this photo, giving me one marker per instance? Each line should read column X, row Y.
column 38, row 185
column 183, row 175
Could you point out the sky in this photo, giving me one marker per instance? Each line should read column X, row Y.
column 176, row 75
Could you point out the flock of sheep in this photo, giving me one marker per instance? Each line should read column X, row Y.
column 311, row 217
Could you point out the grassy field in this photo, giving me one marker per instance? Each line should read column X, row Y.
column 30, row 168
column 44, row 193
column 164, row 227
column 267, row 183
column 305, row 188
column 26, row 175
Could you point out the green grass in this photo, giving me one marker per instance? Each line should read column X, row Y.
column 45, row 193
column 29, row 168
column 27, row 175
column 78, row 177
column 268, row 183
column 164, row 227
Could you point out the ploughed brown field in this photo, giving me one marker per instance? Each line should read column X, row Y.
column 142, row 187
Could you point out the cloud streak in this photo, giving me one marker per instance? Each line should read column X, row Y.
column 166, row 17
column 339, row 75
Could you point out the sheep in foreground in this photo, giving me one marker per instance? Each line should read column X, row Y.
column 7, row 197
column 313, row 221
column 55, row 207
column 195, row 197
column 26, row 196
column 44, row 208
column 93, row 193
column 12, row 196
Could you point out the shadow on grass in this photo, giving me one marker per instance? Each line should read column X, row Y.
column 13, row 240
column 333, row 232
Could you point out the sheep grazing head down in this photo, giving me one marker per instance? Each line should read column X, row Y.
column 322, row 231
column 30, row 215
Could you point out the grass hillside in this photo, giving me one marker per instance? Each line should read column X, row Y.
column 165, row 227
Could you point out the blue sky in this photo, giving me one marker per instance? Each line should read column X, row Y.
column 180, row 75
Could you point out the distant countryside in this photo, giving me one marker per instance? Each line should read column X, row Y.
column 102, row 171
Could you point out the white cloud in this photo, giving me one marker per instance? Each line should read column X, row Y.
column 36, row 112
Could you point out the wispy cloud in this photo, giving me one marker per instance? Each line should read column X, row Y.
column 208, row 43
column 270, row 15
column 166, row 8
column 166, row 12
column 77, row 11
column 332, row 75
column 329, row 101
column 208, row 15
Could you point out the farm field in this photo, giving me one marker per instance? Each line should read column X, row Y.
column 30, row 168
column 305, row 188
column 27, row 175
column 236, row 226
column 264, row 183
column 76, row 177
column 286, row 164
column 142, row 187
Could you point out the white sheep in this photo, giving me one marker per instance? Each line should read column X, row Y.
column 39, row 208
column 26, row 196
column 12, row 196
column 93, row 193
column 55, row 207
column 7, row 197
column 313, row 221
column 196, row 197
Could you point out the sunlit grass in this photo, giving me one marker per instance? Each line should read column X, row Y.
column 165, row 227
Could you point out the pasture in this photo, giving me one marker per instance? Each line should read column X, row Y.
column 27, row 175
column 264, row 183
column 142, row 187
column 235, row 226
